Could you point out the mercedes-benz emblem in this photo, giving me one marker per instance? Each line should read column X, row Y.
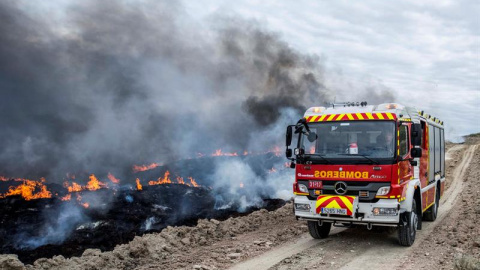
column 340, row 188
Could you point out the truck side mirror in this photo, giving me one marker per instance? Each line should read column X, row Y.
column 416, row 135
column 289, row 136
column 288, row 153
column 416, row 152
column 312, row 136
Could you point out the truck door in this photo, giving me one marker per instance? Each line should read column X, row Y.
column 423, row 175
column 405, row 168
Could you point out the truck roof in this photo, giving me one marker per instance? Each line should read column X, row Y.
column 384, row 111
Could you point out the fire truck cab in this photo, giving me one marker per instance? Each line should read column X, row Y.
column 373, row 165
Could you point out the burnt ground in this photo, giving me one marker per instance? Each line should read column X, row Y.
column 450, row 242
column 44, row 228
column 47, row 227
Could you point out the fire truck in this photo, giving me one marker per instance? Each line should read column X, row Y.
column 373, row 165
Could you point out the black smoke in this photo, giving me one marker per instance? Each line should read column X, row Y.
column 111, row 84
column 97, row 86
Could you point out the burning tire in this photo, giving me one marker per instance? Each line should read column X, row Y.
column 408, row 230
column 319, row 231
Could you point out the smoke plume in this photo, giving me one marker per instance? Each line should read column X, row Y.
column 98, row 86
column 110, row 84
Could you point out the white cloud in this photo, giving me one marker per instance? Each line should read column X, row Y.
column 427, row 51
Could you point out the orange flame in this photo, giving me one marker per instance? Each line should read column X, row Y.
column 219, row 152
column 113, row 178
column 142, row 168
column 287, row 165
column 139, row 186
column 161, row 181
column 94, row 184
column 277, row 151
column 193, row 182
column 86, row 205
column 73, row 188
column 27, row 190
column 2, row 178
column 180, row 180
column 66, row 197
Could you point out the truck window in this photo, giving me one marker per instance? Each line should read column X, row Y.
column 403, row 137
column 348, row 139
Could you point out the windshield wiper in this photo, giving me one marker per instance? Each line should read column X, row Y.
column 320, row 156
column 373, row 161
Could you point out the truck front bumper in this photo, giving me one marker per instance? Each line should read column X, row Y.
column 363, row 214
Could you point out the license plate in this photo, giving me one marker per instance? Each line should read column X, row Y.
column 334, row 211
column 315, row 184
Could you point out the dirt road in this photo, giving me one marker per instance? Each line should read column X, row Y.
column 362, row 249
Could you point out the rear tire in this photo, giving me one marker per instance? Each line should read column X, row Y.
column 432, row 212
column 407, row 232
column 317, row 231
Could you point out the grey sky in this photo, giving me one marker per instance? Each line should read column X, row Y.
column 428, row 52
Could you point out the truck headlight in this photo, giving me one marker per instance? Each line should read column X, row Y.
column 302, row 188
column 302, row 207
column 383, row 191
column 383, row 211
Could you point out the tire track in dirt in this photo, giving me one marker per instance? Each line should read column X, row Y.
column 272, row 257
column 369, row 246
column 369, row 260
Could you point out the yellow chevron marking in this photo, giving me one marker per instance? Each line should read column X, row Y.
column 333, row 204
column 360, row 116
column 322, row 117
column 331, row 117
column 350, row 117
column 347, row 202
column 340, row 116
column 369, row 115
column 313, row 118
column 322, row 200
column 380, row 116
column 390, row 116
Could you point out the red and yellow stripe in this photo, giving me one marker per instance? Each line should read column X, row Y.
column 351, row 117
column 338, row 202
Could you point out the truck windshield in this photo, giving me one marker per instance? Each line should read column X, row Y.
column 372, row 139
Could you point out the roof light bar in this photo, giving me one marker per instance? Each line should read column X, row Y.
column 349, row 104
column 429, row 117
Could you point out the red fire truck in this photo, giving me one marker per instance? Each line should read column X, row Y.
column 373, row 165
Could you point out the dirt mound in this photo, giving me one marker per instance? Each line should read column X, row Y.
column 171, row 247
column 10, row 262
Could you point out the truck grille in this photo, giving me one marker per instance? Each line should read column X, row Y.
column 366, row 191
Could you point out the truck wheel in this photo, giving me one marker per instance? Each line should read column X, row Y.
column 317, row 231
column 431, row 213
column 407, row 232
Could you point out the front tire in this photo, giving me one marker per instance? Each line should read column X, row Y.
column 408, row 231
column 317, row 231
